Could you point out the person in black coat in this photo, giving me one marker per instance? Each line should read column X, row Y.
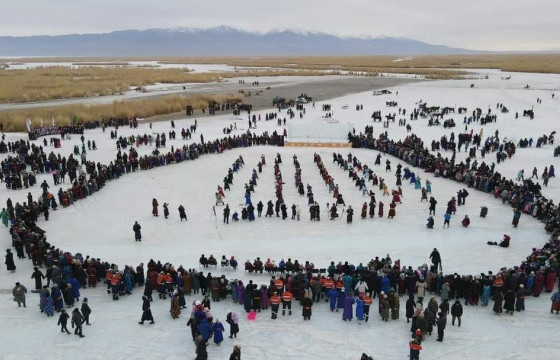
column 38, row 276
column 166, row 210
column 307, row 304
column 137, row 234
column 410, row 307
column 236, row 354
column 148, row 289
column 441, row 322
column 433, row 203
column 201, row 352
column 509, row 301
column 436, row 259
column 194, row 327
column 63, row 321
column 182, row 213
column 456, row 313
column 269, row 208
column 86, row 310
column 146, row 311
column 226, row 214
column 77, row 321
column 260, row 208
column 10, row 265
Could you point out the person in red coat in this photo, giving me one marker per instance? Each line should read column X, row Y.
column 550, row 280
column 466, row 221
column 155, row 207
column 539, row 284
column 380, row 211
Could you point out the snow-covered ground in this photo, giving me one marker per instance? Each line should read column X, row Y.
column 100, row 226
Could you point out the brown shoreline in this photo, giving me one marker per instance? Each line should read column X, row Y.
column 320, row 90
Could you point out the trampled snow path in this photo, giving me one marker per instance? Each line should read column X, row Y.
column 101, row 226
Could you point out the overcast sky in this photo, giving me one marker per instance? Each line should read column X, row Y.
column 473, row 24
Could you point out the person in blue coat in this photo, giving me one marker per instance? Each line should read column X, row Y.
column 57, row 298
column 340, row 300
column 128, row 282
column 348, row 307
column 332, row 295
column 205, row 329
column 485, row 295
column 359, row 309
column 347, row 283
column 75, row 288
column 218, row 329
column 385, row 284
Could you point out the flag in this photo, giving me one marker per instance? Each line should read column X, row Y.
column 41, row 122
column 53, row 122
column 28, row 124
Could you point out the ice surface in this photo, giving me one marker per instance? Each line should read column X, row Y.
column 100, row 226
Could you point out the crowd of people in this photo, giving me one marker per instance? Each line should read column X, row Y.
column 342, row 286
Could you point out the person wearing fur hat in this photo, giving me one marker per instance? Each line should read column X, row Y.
column 236, row 354
column 146, row 311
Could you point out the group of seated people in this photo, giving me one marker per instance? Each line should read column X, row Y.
column 224, row 262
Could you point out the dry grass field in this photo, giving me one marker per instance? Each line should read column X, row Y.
column 47, row 83
column 16, row 120
column 59, row 83
column 541, row 63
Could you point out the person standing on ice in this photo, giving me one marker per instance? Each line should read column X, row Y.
column 18, row 293
column 182, row 213
column 165, row 210
column 63, row 321
column 137, row 234
column 236, row 354
column 77, row 321
column 146, row 311
column 10, row 265
column 155, row 207
column 233, row 320
column 348, row 307
column 226, row 214
column 516, row 216
column 415, row 345
column 436, row 259
column 86, row 311
column 307, row 304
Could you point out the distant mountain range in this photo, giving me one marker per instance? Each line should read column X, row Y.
column 211, row 42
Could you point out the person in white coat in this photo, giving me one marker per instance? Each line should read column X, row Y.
column 361, row 288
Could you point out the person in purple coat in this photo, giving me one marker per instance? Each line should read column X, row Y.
column 348, row 307
column 340, row 300
column 240, row 292
column 264, row 297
